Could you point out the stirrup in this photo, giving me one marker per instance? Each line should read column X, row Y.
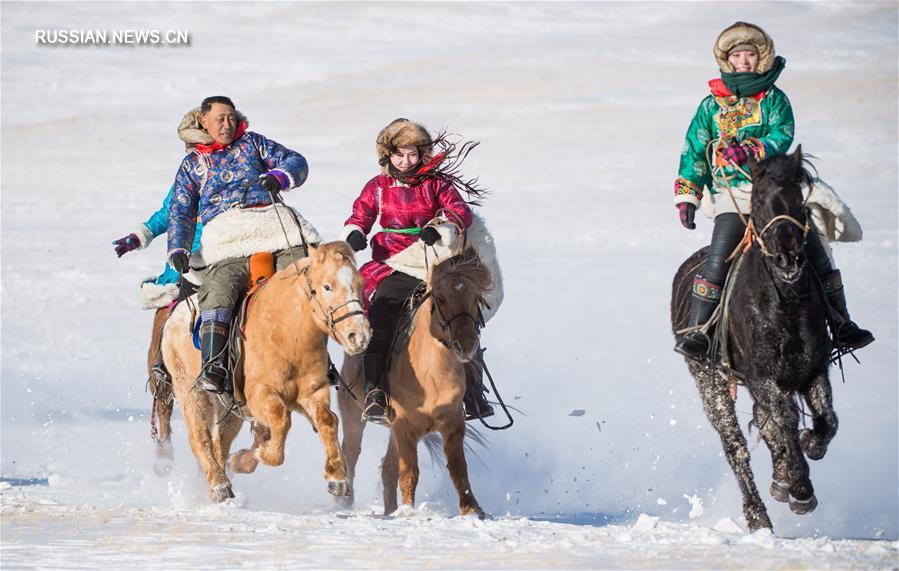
column 160, row 373
column 210, row 371
column 483, row 411
column 376, row 412
column 693, row 345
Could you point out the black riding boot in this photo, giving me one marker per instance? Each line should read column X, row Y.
column 214, row 351
column 849, row 335
column 475, row 401
column 377, row 404
column 706, row 295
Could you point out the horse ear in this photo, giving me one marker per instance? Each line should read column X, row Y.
column 797, row 155
column 755, row 166
column 315, row 253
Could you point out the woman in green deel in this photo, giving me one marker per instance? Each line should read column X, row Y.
column 745, row 115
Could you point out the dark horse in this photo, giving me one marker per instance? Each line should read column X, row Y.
column 777, row 339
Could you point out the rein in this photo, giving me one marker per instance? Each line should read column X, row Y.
column 330, row 312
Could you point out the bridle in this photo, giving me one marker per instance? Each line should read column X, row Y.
column 446, row 324
column 781, row 218
column 329, row 313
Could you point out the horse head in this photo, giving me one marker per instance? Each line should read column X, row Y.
column 457, row 286
column 778, row 213
column 334, row 288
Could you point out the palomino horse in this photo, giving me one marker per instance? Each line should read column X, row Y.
column 776, row 317
column 427, row 382
column 284, row 366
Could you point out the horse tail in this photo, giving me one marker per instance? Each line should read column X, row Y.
column 434, row 445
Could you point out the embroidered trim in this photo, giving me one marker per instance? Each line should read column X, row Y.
column 683, row 186
column 704, row 289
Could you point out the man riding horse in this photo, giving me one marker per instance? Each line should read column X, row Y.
column 231, row 183
column 745, row 116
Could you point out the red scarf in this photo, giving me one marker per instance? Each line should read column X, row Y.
column 721, row 90
column 216, row 146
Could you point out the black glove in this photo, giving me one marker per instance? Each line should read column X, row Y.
column 269, row 183
column 429, row 235
column 181, row 262
column 356, row 240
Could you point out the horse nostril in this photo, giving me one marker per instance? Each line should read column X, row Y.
column 457, row 348
column 351, row 338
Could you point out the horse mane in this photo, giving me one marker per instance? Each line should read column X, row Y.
column 336, row 248
column 795, row 168
column 465, row 266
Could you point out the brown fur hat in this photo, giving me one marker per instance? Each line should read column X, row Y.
column 402, row 133
column 191, row 131
column 744, row 36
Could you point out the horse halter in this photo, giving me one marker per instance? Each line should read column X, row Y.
column 757, row 236
column 329, row 313
column 445, row 323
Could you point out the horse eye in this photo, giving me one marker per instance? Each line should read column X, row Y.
column 327, row 287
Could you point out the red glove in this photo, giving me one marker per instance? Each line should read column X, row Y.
column 735, row 153
column 687, row 214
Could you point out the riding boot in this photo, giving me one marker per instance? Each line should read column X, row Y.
column 214, row 352
column 475, row 401
column 377, row 407
column 849, row 335
column 706, row 295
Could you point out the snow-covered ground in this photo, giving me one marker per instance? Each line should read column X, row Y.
column 581, row 110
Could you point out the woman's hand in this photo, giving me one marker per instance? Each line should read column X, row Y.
column 181, row 262
column 735, row 153
column 126, row 244
column 356, row 240
column 687, row 214
column 429, row 236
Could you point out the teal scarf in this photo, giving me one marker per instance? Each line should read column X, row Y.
column 749, row 83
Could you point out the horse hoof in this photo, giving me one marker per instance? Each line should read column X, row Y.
column 801, row 507
column 165, row 457
column 243, row 462
column 780, row 491
column 344, row 502
column 338, row 488
column 812, row 451
column 221, row 493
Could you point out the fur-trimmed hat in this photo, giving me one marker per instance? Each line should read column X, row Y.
column 191, row 131
column 402, row 133
column 744, row 36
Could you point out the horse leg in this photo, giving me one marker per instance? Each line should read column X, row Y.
column 453, row 431
column 351, row 446
column 719, row 408
column 163, row 399
column 824, row 420
column 779, row 426
column 318, row 407
column 196, row 410
column 407, row 459
column 269, row 409
column 390, row 477
column 223, row 436
column 244, row 461
column 780, row 467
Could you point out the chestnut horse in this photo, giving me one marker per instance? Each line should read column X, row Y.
column 284, row 366
column 426, row 381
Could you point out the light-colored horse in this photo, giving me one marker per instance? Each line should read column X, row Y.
column 284, row 366
column 427, row 383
